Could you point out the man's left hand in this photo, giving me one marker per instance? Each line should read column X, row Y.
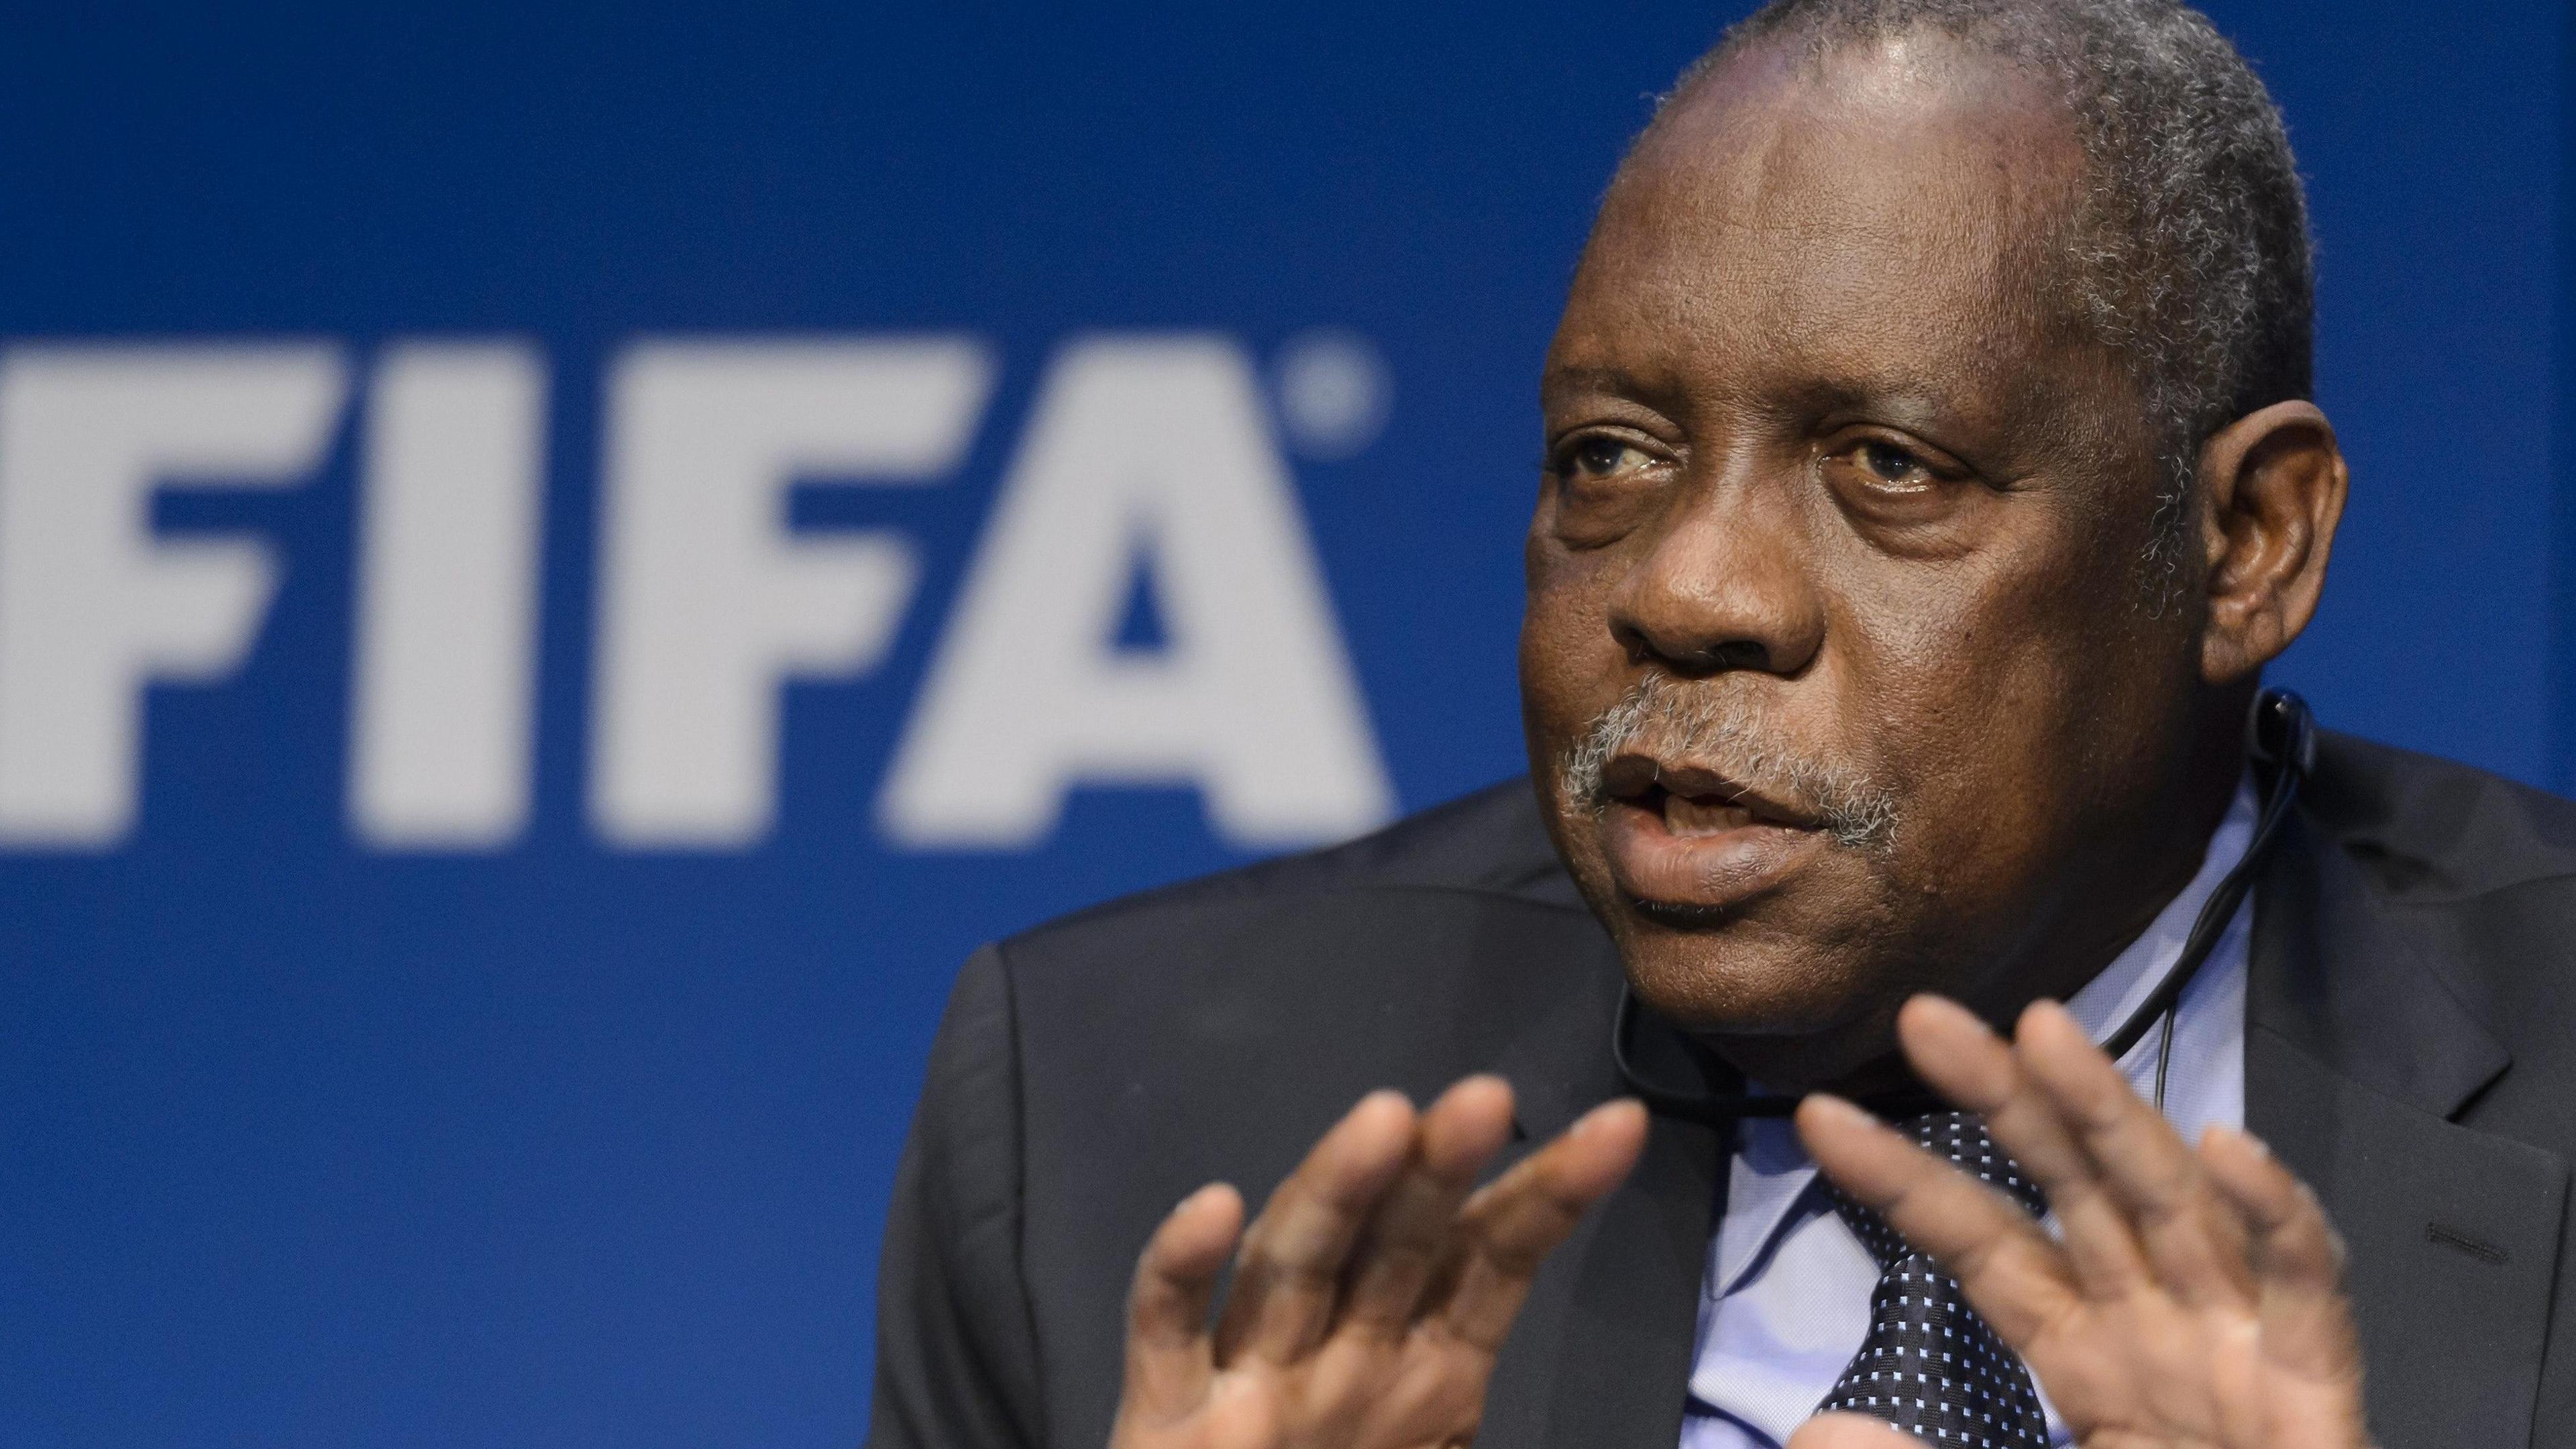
column 2196, row 1296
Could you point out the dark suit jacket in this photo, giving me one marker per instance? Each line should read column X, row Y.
column 2410, row 1050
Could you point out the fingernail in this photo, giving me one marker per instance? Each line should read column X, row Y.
column 1826, row 1104
column 2242, row 1141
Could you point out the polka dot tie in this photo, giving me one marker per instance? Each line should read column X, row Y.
column 1930, row 1365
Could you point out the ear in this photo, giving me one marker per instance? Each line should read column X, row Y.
column 2275, row 482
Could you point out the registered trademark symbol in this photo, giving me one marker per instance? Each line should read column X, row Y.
column 1334, row 391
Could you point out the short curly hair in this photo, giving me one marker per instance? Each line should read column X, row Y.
column 2194, row 261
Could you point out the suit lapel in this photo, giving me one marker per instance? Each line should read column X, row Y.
column 1624, row 1360
column 2357, row 1057
column 1601, row 1356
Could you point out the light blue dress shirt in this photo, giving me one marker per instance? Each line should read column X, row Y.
column 1786, row 1301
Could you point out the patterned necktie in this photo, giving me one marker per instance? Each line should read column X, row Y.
column 1930, row 1365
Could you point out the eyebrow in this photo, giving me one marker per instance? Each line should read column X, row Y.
column 1903, row 398
column 1588, row 375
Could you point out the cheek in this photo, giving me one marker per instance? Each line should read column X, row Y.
column 1570, row 665
column 1999, row 701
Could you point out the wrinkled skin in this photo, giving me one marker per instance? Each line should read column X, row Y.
column 2194, row 1301
column 1834, row 473
column 1827, row 446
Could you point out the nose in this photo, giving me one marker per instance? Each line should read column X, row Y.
column 1729, row 585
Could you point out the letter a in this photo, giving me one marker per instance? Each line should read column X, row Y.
column 1153, row 451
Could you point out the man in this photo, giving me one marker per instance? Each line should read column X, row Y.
column 1930, row 478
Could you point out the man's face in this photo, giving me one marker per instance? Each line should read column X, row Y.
column 1841, row 671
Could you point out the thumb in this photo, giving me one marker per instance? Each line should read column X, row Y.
column 1849, row 1431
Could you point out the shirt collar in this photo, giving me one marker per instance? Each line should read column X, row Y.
column 1767, row 1179
column 2108, row 1000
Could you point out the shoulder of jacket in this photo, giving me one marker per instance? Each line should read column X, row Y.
column 1490, row 843
column 2429, row 829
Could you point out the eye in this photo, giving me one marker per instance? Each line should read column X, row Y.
column 1604, row 485
column 1597, row 455
column 1895, row 482
column 1890, row 469
column 1891, row 464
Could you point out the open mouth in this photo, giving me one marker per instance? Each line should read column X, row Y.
column 1689, row 842
column 1694, row 800
column 1692, row 816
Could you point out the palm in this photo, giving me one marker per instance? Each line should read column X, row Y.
column 1423, row 1391
column 2193, row 1299
column 2152, row 1371
column 1372, row 1295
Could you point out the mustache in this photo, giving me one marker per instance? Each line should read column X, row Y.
column 1726, row 733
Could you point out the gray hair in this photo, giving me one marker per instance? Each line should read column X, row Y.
column 2193, row 258
column 1722, row 728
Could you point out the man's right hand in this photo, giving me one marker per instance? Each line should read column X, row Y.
column 1372, row 1294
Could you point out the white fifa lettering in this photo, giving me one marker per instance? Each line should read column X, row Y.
column 1151, row 451
column 708, row 605
column 92, row 606
column 440, row 728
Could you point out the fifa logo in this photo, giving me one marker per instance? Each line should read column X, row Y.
column 1151, row 452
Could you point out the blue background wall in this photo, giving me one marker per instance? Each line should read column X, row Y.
column 560, row 1144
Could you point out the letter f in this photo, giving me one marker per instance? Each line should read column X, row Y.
column 92, row 607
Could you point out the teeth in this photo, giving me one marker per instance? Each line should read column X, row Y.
column 1685, row 816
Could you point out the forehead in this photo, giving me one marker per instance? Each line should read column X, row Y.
column 1888, row 216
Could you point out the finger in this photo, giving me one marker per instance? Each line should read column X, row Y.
column 2194, row 1242
column 2010, row 1270
column 2298, row 1258
column 1974, row 1069
column 1849, row 1431
column 1401, row 1245
column 1289, row 1272
column 1510, row 1226
column 1169, row 1356
column 1244, row 1411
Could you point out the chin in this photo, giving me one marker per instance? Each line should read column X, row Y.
column 1735, row 979
column 1802, row 957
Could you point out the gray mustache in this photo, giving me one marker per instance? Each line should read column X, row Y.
column 1727, row 734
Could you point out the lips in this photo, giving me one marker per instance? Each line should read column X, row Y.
column 1691, row 819
column 1689, row 840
